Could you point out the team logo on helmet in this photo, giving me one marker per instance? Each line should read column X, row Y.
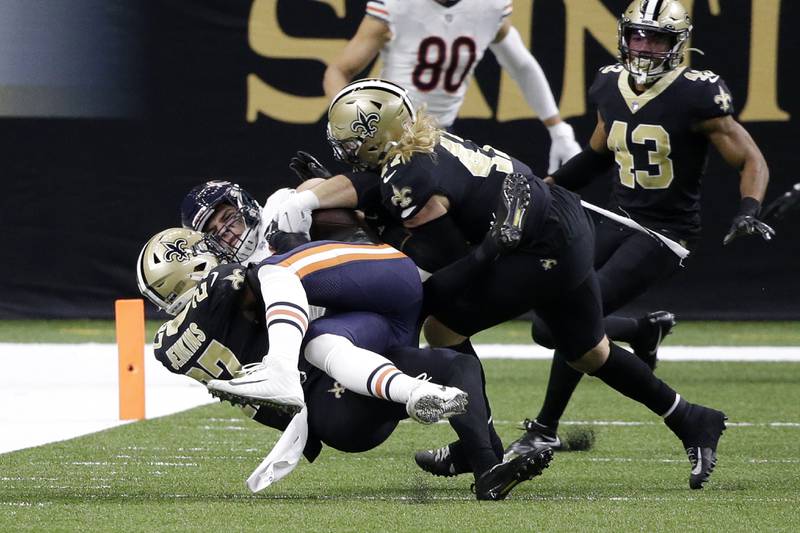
column 176, row 250
column 365, row 124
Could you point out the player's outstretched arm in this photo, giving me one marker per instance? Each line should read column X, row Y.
column 514, row 57
column 593, row 161
column 372, row 34
column 740, row 151
column 294, row 215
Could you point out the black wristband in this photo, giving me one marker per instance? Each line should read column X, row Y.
column 579, row 171
column 749, row 207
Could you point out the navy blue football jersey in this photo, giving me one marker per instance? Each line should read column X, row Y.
column 469, row 175
column 660, row 159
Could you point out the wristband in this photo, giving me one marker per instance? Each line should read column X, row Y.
column 749, row 207
column 307, row 200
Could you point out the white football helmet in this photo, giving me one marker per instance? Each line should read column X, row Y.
column 170, row 265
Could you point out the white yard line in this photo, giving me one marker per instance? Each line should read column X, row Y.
column 665, row 353
column 52, row 392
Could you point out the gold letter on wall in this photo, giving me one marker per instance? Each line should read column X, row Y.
column 583, row 16
column 268, row 39
column 762, row 85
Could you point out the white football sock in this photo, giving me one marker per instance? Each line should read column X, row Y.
column 359, row 370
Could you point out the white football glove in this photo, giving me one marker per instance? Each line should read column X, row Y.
column 562, row 145
column 294, row 214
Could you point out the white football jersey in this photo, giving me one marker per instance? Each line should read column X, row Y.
column 434, row 49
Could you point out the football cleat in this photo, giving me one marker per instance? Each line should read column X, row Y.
column 512, row 210
column 256, row 384
column 704, row 427
column 496, row 483
column 536, row 436
column 428, row 402
column 440, row 462
column 659, row 324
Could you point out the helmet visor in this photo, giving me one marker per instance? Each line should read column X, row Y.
column 346, row 150
column 649, row 43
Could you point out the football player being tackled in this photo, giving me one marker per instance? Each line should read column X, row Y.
column 228, row 315
column 655, row 120
column 234, row 229
column 445, row 189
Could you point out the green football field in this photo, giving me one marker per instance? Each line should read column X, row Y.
column 186, row 472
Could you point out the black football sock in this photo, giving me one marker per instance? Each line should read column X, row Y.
column 474, row 428
column 620, row 328
column 497, row 444
column 447, row 367
column 629, row 375
column 560, row 386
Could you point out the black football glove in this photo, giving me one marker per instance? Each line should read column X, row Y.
column 306, row 166
column 783, row 204
column 748, row 225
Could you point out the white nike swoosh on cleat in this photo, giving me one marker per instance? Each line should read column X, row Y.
column 698, row 468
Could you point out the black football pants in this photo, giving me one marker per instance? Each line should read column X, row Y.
column 350, row 422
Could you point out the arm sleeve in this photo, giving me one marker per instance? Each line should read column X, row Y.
column 407, row 187
column 367, row 186
column 513, row 55
column 581, row 169
column 286, row 308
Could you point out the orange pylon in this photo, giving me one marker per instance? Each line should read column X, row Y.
column 130, row 344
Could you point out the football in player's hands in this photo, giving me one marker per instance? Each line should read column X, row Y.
column 334, row 224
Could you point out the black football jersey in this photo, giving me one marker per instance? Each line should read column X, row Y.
column 212, row 339
column 470, row 176
column 660, row 160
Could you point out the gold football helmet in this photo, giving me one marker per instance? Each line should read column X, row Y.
column 664, row 20
column 365, row 118
column 170, row 265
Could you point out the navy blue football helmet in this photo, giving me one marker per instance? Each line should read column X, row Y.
column 202, row 202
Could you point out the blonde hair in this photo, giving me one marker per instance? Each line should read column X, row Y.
column 420, row 136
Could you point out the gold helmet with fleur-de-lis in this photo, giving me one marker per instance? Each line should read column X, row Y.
column 364, row 119
column 666, row 20
column 170, row 265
